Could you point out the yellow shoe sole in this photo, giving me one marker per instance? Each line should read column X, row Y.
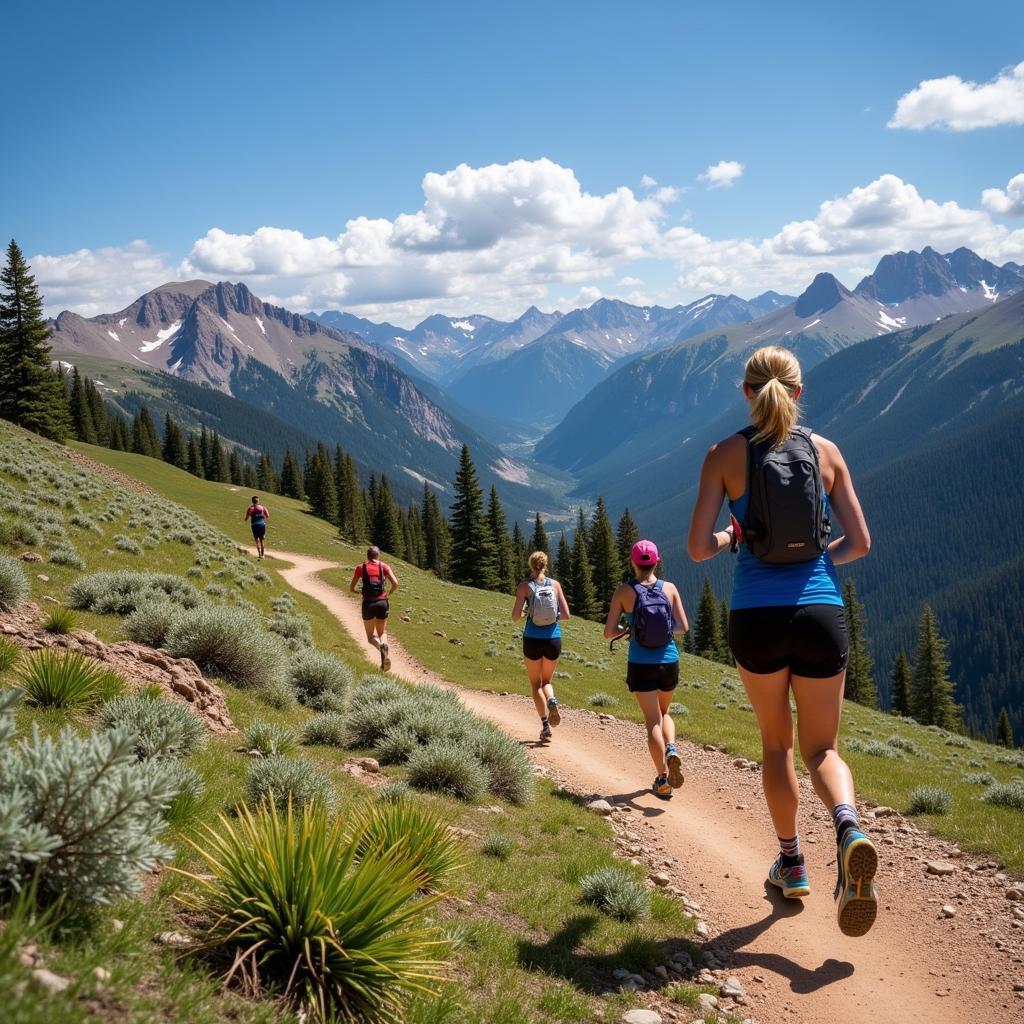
column 858, row 902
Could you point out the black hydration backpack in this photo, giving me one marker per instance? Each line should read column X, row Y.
column 373, row 590
column 786, row 520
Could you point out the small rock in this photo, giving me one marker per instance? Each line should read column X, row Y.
column 940, row 867
column 42, row 576
column 116, row 925
column 176, row 939
column 949, row 911
column 641, row 1017
column 661, row 971
column 731, row 988
column 29, row 955
column 369, row 764
column 882, row 812
column 701, row 929
column 49, row 982
column 707, row 1002
column 441, row 633
column 31, row 556
column 1015, row 894
column 710, row 748
column 601, row 807
column 660, row 878
column 101, row 974
column 1018, row 986
column 602, row 717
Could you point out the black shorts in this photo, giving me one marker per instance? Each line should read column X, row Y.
column 648, row 678
column 537, row 647
column 375, row 610
column 259, row 531
column 810, row 640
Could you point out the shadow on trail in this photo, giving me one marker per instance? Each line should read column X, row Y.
column 629, row 799
column 802, row 980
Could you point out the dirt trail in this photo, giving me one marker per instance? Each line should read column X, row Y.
column 914, row 966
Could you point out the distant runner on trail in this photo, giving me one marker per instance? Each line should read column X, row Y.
column 787, row 627
column 544, row 603
column 257, row 515
column 375, row 575
column 653, row 611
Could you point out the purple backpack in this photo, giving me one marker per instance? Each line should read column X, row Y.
column 652, row 616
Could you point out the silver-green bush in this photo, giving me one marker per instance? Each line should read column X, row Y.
column 617, row 893
column 448, row 768
column 13, row 582
column 159, row 727
column 508, row 768
column 929, row 800
column 321, row 681
column 269, row 738
column 1006, row 794
column 121, row 591
column 280, row 778
column 325, row 730
column 150, row 622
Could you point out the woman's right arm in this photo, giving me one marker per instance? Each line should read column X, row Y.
column 856, row 541
column 703, row 542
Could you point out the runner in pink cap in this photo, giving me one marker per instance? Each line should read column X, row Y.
column 645, row 552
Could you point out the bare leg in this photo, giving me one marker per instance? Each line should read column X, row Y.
column 371, row 632
column 668, row 726
column 535, row 673
column 819, row 704
column 381, row 626
column 650, row 705
column 769, row 696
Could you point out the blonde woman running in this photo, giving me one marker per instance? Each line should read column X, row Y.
column 541, row 598
column 787, row 627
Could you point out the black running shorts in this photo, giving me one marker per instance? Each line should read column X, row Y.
column 259, row 531
column 810, row 640
column 648, row 678
column 375, row 610
column 537, row 647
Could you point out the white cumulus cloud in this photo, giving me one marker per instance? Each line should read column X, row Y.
column 723, row 174
column 951, row 102
column 1009, row 201
column 648, row 182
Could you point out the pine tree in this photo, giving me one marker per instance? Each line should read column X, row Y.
column 627, row 534
column 901, row 685
column 412, row 526
column 291, row 476
column 387, row 531
column 1004, row 734
column 204, row 452
column 504, row 561
column 266, row 475
column 100, row 419
column 194, row 458
column 860, row 683
column 436, row 540
column 724, row 651
column 144, row 436
column 249, row 481
column 30, row 394
column 584, row 600
column 218, row 460
column 707, row 642
column 539, row 540
column 235, row 469
column 473, row 556
column 931, row 691
column 604, row 557
column 82, row 425
column 519, row 553
column 563, row 569
column 320, row 489
column 352, row 515
column 119, row 437
column 173, row 450
column 339, row 482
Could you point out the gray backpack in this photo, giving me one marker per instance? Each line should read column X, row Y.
column 542, row 602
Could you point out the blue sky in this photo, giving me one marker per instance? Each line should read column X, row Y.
column 154, row 124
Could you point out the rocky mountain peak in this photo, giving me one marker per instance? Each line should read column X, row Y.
column 821, row 295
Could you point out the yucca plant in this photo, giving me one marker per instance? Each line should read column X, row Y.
column 9, row 653
column 61, row 621
column 291, row 903
column 409, row 833
column 67, row 680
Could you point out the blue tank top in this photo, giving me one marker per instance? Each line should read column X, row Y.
column 755, row 584
column 640, row 655
column 532, row 632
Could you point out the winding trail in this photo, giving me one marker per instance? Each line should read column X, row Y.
column 914, row 966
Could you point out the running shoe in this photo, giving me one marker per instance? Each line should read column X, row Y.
column 855, row 888
column 675, row 766
column 545, row 732
column 662, row 788
column 791, row 880
column 553, row 716
column 385, row 661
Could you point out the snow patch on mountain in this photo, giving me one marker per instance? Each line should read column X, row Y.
column 424, row 479
column 161, row 337
column 895, row 399
column 463, row 325
column 990, row 293
column 113, row 334
column 263, row 329
column 514, row 472
column 895, row 323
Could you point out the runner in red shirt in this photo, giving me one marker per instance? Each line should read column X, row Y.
column 258, row 516
column 376, row 575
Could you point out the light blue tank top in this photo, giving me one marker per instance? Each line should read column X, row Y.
column 532, row 632
column 640, row 655
column 755, row 584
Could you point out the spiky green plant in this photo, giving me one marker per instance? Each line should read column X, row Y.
column 66, row 679
column 617, row 893
column 293, row 906
column 269, row 738
column 9, row 653
column 60, row 621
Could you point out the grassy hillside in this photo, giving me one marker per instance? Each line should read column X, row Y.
column 890, row 757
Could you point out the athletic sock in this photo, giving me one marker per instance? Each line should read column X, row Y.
column 790, row 850
column 845, row 818
column 544, row 720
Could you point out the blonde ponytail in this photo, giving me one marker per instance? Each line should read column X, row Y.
column 538, row 563
column 773, row 375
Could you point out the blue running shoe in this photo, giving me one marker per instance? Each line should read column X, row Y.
column 791, row 880
column 675, row 766
column 857, row 898
column 553, row 716
column 662, row 788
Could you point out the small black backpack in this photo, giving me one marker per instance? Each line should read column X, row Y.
column 373, row 590
column 786, row 521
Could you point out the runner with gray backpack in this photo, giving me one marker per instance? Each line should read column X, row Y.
column 653, row 613
column 544, row 604
column 787, row 626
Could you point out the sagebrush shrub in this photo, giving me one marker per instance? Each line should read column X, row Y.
column 368, row 721
column 293, row 906
column 227, row 642
column 902, row 743
column 278, row 695
column 497, row 845
column 675, row 708
column 78, row 812
column 448, row 768
column 66, row 554
column 280, row 779
column 269, row 738
column 296, row 630
column 394, row 791
column 617, row 893
column 510, row 774
column 66, row 679
column 120, row 592
column 23, row 532
column 1006, row 794
column 397, row 744
column 160, row 728
column 602, row 700
column 326, row 729
column 189, row 785
column 127, row 544
column 150, row 622
column 929, row 800
column 321, row 681
column 13, row 582
column 979, row 778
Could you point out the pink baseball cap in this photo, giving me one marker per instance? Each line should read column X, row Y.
column 645, row 552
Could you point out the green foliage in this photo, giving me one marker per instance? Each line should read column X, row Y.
column 60, row 621
column 190, row 786
column 449, row 768
column 321, row 681
column 159, row 728
column 931, row 691
column 66, row 554
column 860, row 683
column 1006, row 794
column 394, row 791
column 929, row 800
column 279, row 695
column 125, row 543
column 602, row 700
column 507, row 767
column 616, row 892
column 228, row 642
column 122, row 591
column 604, row 557
column 472, row 549
column 66, row 680
column 707, row 639
column 326, row 729
column 498, row 846
column 294, row 907
column 979, row 778
column 13, row 582
column 150, row 622
column 284, row 779
column 270, row 739
column 627, row 533
column 296, row 630
column 78, row 813
column 901, row 685
column 10, row 652
column 408, row 833
column 1004, row 731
